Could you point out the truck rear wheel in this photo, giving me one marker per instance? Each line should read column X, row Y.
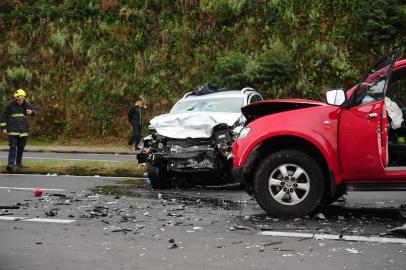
column 289, row 183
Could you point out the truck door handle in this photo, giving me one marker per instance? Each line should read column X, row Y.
column 372, row 115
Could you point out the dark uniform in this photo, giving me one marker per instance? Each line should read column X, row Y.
column 14, row 120
column 134, row 117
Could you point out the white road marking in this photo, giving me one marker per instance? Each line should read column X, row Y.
column 336, row 237
column 31, row 189
column 41, row 220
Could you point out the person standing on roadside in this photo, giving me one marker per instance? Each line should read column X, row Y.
column 134, row 118
column 13, row 122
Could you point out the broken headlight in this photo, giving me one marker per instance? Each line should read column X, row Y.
column 161, row 146
column 244, row 132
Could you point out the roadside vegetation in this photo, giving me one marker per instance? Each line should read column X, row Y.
column 86, row 168
column 82, row 61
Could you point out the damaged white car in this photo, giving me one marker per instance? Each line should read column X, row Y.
column 196, row 136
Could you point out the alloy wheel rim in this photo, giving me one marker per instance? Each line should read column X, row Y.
column 289, row 184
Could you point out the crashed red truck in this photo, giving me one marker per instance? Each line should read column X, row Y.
column 294, row 154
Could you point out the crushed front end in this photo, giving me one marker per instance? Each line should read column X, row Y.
column 174, row 157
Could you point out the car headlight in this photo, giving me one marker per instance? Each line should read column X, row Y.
column 244, row 132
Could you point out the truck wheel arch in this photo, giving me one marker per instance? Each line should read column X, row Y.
column 276, row 143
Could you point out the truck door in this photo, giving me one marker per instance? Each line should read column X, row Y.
column 362, row 132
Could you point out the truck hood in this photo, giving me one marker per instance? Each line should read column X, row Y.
column 262, row 108
column 191, row 124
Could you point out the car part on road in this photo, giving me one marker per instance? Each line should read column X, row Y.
column 401, row 230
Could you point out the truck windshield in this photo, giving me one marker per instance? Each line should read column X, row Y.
column 232, row 105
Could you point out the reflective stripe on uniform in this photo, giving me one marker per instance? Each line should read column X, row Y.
column 21, row 134
column 17, row 115
column 3, row 124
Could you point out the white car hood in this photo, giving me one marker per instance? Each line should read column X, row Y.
column 191, row 124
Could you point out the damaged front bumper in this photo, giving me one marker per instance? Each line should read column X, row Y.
column 189, row 161
column 191, row 154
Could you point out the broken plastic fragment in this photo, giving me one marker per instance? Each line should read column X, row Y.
column 401, row 230
column 353, row 251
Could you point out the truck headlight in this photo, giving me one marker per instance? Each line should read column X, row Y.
column 244, row 132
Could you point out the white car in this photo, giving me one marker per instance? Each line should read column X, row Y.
column 195, row 138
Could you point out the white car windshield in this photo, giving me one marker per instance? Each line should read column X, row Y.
column 229, row 104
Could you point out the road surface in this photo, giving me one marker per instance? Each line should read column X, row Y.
column 110, row 223
column 72, row 157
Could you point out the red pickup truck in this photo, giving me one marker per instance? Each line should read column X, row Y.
column 294, row 154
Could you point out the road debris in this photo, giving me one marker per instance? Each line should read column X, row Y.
column 320, row 216
column 353, row 251
column 6, row 213
column 173, row 246
column 37, row 192
column 10, row 207
column 52, row 212
column 401, row 230
column 241, row 227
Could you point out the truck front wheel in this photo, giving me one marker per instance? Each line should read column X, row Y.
column 289, row 183
column 157, row 176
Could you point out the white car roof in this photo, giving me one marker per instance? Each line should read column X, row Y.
column 221, row 94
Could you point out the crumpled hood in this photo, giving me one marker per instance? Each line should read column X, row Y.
column 262, row 108
column 191, row 124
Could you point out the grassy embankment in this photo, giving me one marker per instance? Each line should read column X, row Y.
column 82, row 61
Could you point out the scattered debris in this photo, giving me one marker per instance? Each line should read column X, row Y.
column 119, row 229
column 284, row 250
column 401, row 230
column 6, row 213
column 320, row 216
column 173, row 246
column 240, row 227
column 353, row 251
column 52, row 212
column 273, row 243
column 10, row 207
column 61, row 196
column 37, row 192
column 174, row 215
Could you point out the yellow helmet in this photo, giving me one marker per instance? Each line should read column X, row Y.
column 20, row 93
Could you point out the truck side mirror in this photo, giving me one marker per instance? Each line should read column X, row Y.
column 336, row 97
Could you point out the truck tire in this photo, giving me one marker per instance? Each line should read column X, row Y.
column 289, row 183
column 157, row 176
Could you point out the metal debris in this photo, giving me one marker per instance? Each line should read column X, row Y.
column 353, row 251
column 320, row 216
column 173, row 246
column 52, row 212
column 401, row 230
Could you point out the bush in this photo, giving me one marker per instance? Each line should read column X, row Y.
column 230, row 70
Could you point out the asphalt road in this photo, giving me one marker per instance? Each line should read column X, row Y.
column 117, row 225
column 72, row 157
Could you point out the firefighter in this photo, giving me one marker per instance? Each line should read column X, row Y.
column 13, row 122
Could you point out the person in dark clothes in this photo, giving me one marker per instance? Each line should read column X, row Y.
column 134, row 118
column 13, row 122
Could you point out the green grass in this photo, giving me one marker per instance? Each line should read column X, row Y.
column 125, row 168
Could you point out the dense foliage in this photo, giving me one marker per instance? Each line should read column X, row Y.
column 82, row 61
